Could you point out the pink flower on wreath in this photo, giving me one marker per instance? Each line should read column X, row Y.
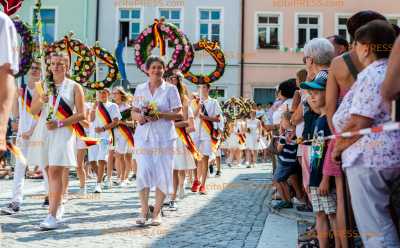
column 137, row 53
column 143, row 67
column 176, row 41
column 179, row 47
column 137, row 47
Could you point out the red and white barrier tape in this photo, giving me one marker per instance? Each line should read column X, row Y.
column 387, row 127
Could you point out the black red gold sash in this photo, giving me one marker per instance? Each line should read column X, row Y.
column 28, row 101
column 106, row 119
column 16, row 152
column 63, row 112
column 209, row 128
column 126, row 132
column 188, row 142
column 242, row 138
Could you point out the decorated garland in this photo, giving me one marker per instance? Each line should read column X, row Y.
column 234, row 108
column 154, row 36
column 28, row 46
column 113, row 73
column 215, row 51
column 84, row 67
column 189, row 56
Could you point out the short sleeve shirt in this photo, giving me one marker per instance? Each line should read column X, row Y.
column 9, row 43
column 167, row 99
column 377, row 150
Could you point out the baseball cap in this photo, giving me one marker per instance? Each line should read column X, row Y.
column 319, row 82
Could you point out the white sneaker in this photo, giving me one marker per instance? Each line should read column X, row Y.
column 49, row 223
column 97, row 189
column 108, row 184
column 60, row 213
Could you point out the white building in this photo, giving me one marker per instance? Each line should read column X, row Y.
column 213, row 19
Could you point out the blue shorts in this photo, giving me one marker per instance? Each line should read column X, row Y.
column 283, row 172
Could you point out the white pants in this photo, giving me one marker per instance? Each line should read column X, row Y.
column 370, row 191
column 19, row 178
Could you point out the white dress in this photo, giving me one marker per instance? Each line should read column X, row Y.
column 155, row 142
column 61, row 151
column 55, row 147
column 183, row 158
column 233, row 139
column 253, row 137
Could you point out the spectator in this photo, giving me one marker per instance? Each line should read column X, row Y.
column 287, row 163
column 343, row 73
column 8, row 67
column 391, row 86
column 371, row 162
column 340, row 44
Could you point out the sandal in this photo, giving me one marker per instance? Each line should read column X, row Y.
column 156, row 221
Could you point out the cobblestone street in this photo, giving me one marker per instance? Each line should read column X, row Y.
column 232, row 214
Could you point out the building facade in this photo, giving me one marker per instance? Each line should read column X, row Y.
column 276, row 31
column 210, row 19
column 62, row 16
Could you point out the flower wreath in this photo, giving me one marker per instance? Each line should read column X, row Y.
column 28, row 46
column 83, row 68
column 154, row 36
column 113, row 72
column 234, row 108
column 215, row 51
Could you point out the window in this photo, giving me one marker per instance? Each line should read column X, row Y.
column 210, row 25
column 308, row 28
column 48, row 24
column 172, row 16
column 264, row 95
column 341, row 28
column 217, row 93
column 268, row 30
column 129, row 24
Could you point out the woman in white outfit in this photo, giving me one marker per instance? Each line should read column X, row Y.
column 123, row 159
column 253, row 138
column 155, row 137
column 59, row 149
column 183, row 158
column 233, row 141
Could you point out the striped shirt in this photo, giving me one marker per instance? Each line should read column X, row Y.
column 288, row 155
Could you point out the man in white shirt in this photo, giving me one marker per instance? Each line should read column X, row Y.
column 8, row 67
column 100, row 153
column 207, row 110
column 26, row 125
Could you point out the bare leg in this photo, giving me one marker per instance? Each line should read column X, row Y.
column 204, row 168
column 159, row 202
column 340, row 212
column 218, row 162
column 118, row 165
column 144, row 201
column 322, row 230
column 175, row 180
column 80, row 169
column 110, row 164
column 101, row 164
column 55, row 188
column 181, row 179
column 65, row 182
column 332, row 221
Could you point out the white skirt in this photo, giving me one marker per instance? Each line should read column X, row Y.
column 183, row 158
column 155, row 160
column 233, row 142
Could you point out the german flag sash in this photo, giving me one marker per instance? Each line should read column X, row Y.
column 209, row 128
column 242, row 138
column 63, row 112
column 188, row 142
column 106, row 119
column 126, row 132
column 24, row 93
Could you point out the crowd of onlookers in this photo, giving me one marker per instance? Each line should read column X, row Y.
column 344, row 87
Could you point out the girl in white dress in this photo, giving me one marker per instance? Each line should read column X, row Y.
column 233, row 140
column 155, row 137
column 59, row 149
column 123, row 159
column 253, row 138
column 184, row 160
